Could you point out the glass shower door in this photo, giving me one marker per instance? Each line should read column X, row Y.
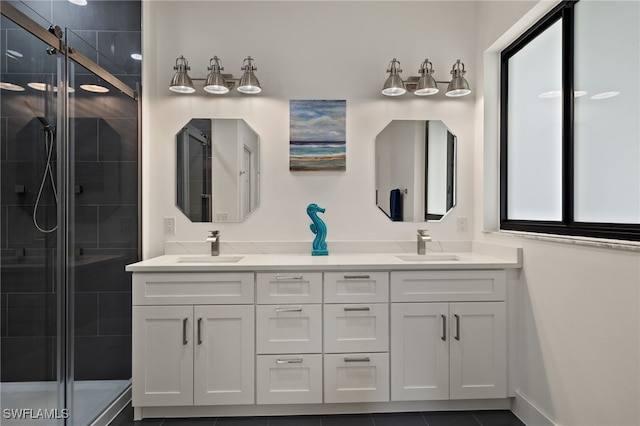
column 30, row 295
column 102, row 231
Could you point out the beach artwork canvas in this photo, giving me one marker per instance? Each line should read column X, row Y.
column 317, row 135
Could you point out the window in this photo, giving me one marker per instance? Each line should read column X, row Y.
column 570, row 132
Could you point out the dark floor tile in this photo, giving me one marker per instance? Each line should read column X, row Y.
column 241, row 421
column 451, row 418
column 399, row 419
column 497, row 418
column 348, row 420
column 295, row 421
column 209, row 421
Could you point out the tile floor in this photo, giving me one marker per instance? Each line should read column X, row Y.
column 460, row 418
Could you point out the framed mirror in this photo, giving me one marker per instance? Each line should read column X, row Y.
column 217, row 170
column 415, row 170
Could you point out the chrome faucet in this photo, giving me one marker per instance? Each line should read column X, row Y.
column 214, row 239
column 423, row 238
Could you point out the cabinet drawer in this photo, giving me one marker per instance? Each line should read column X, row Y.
column 356, row 287
column 285, row 287
column 356, row 328
column 194, row 288
column 445, row 286
column 289, row 379
column 288, row 329
column 358, row 377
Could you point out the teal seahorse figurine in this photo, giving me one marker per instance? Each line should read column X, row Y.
column 319, row 228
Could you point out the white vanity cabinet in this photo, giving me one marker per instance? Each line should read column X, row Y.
column 448, row 335
column 289, row 338
column 187, row 352
column 337, row 334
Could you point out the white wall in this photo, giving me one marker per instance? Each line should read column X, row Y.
column 303, row 50
column 578, row 307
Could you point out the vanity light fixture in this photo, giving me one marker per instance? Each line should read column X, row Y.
column 425, row 84
column 458, row 86
column 216, row 82
column 181, row 82
column 11, row 87
column 394, row 86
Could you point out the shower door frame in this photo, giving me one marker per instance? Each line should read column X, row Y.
column 64, row 283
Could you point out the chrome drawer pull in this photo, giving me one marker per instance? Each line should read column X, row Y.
column 357, row 277
column 289, row 361
column 294, row 309
column 184, row 331
column 356, row 308
column 357, row 359
column 288, row 277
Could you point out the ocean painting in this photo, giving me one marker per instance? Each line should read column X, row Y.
column 317, row 135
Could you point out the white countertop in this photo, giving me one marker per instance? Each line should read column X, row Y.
column 479, row 256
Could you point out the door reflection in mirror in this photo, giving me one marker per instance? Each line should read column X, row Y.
column 415, row 170
column 218, row 170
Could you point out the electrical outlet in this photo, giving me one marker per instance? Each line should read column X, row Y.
column 170, row 225
column 222, row 217
column 462, row 225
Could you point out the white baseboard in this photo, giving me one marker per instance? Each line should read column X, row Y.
column 528, row 413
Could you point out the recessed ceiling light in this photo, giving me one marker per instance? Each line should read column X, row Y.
column 42, row 87
column 47, row 87
column 13, row 54
column 79, row 2
column 136, row 56
column 94, row 88
column 558, row 93
column 11, row 87
column 550, row 94
column 604, row 95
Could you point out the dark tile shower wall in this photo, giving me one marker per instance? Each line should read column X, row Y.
column 105, row 131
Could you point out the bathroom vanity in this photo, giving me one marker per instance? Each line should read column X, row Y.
column 265, row 334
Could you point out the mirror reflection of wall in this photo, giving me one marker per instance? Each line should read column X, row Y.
column 415, row 170
column 224, row 180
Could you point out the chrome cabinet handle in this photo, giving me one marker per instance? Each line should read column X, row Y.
column 294, row 309
column 288, row 277
column 357, row 277
column 357, row 359
column 289, row 361
column 457, row 337
column 184, row 331
column 356, row 308
column 199, row 331
column 444, row 327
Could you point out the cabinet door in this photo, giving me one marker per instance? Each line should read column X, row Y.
column 162, row 355
column 356, row 328
column 223, row 355
column 478, row 350
column 419, row 351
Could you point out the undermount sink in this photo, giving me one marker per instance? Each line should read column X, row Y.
column 203, row 260
column 431, row 257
